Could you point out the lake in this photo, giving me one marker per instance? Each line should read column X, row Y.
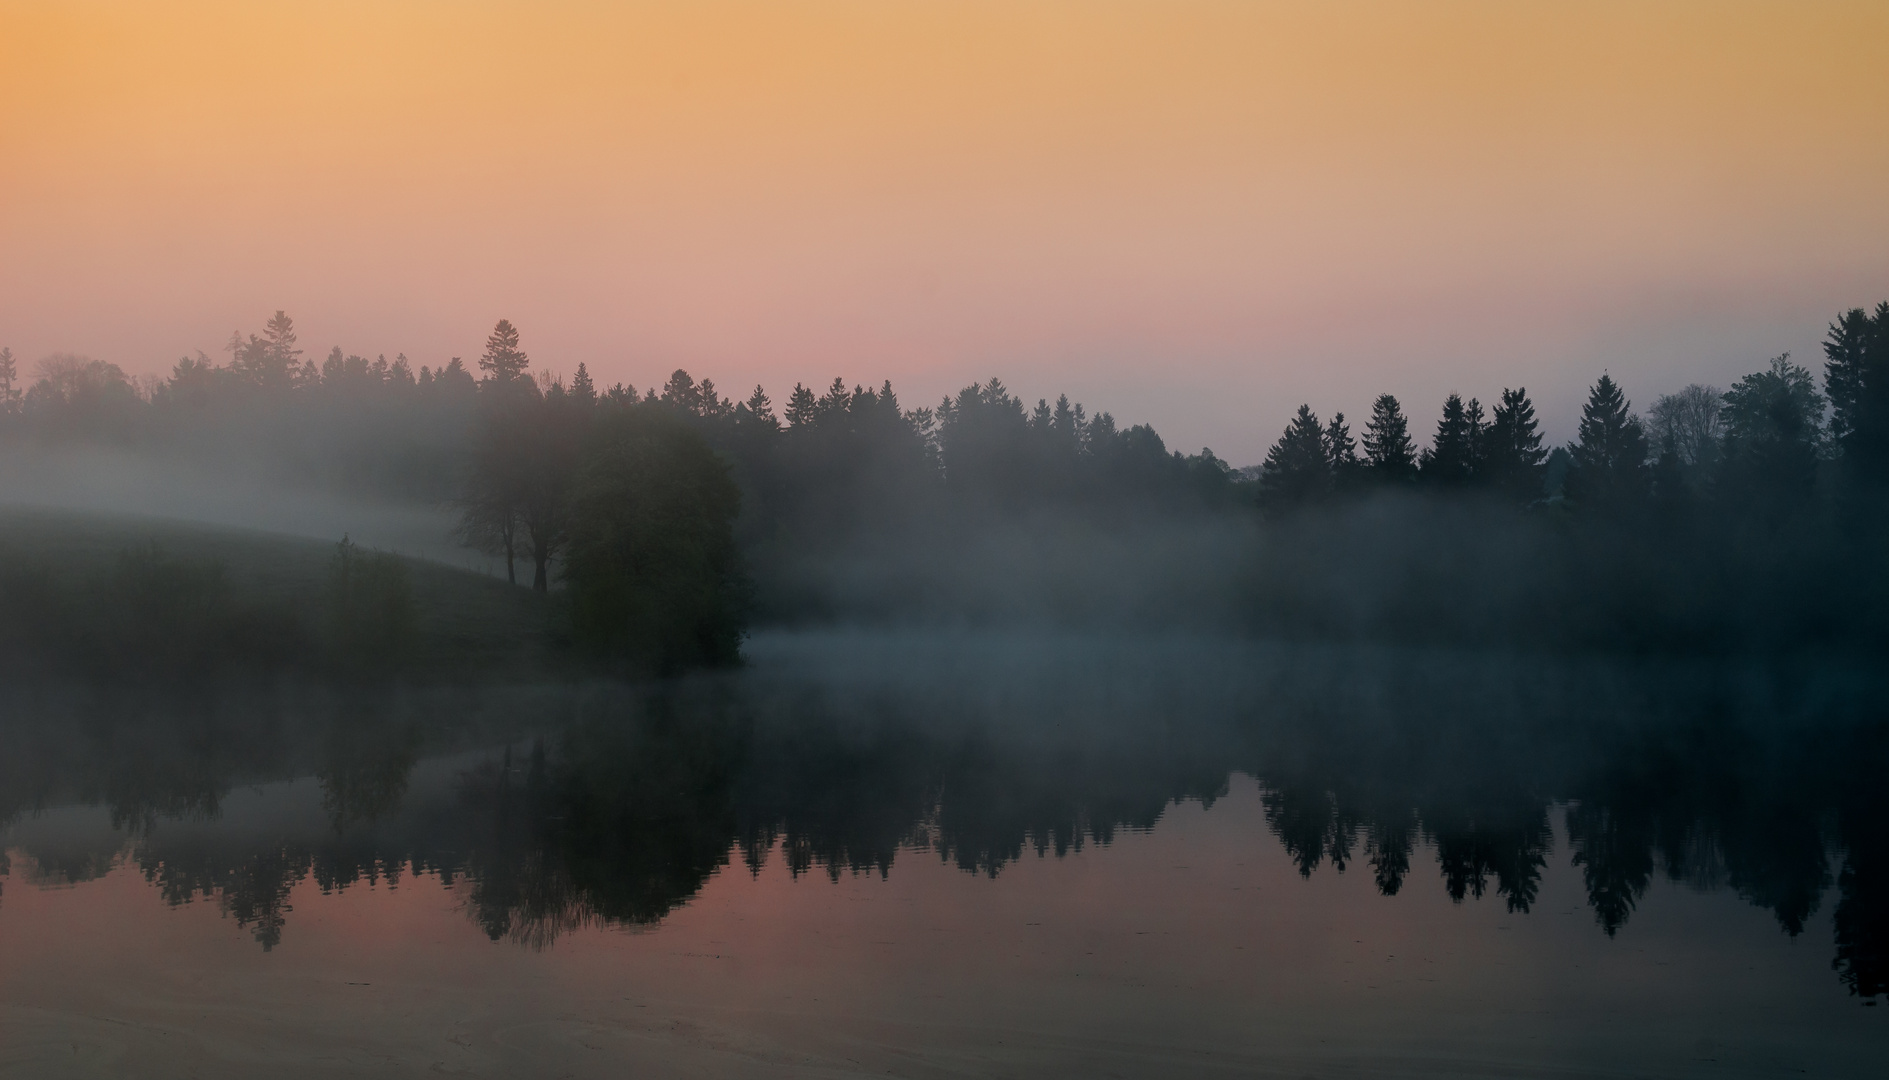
column 936, row 854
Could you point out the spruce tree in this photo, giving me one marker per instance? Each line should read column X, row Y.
column 1341, row 451
column 1513, row 460
column 1478, row 427
column 583, row 389
column 761, row 410
column 1297, row 468
column 1610, row 459
column 503, row 361
column 1451, row 456
column 1856, row 374
column 801, row 407
column 1389, row 455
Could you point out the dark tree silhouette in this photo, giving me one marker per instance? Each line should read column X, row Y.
column 1389, row 454
column 503, row 361
column 1610, row 459
column 1450, row 460
column 1511, row 448
column 1773, row 434
column 1341, row 452
column 1856, row 373
column 653, row 571
column 1298, row 467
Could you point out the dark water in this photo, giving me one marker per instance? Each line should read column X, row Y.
column 946, row 856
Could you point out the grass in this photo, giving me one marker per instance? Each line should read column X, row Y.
column 463, row 623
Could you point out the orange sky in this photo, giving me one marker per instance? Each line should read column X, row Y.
column 1195, row 214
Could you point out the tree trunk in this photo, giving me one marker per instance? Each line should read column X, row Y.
column 539, row 580
column 511, row 574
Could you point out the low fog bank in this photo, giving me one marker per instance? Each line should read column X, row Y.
column 239, row 494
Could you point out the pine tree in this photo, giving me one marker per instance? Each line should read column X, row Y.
column 503, row 361
column 1856, row 374
column 1341, row 451
column 1451, row 456
column 1389, row 455
column 1610, row 459
column 1298, row 467
column 801, row 407
column 1478, row 431
column 1512, row 454
column 761, row 410
column 583, row 390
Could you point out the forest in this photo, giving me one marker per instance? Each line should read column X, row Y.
column 666, row 520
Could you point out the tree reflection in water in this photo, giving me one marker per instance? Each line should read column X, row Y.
column 619, row 804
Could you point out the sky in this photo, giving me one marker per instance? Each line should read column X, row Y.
column 1192, row 214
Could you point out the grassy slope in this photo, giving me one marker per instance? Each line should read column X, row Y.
column 464, row 620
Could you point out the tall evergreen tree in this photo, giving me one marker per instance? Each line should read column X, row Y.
column 1450, row 460
column 1389, row 455
column 802, row 407
column 1610, row 459
column 503, row 361
column 583, row 389
column 1856, row 374
column 1478, row 426
column 760, row 410
column 1341, row 451
column 1513, row 457
column 1298, row 467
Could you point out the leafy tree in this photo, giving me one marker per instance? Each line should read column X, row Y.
column 1609, row 466
column 653, row 571
column 1298, row 467
column 1389, row 455
column 1693, row 421
column 1451, row 459
column 1773, row 433
column 1856, row 374
column 1511, row 448
column 503, row 361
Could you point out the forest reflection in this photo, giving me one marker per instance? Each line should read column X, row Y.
column 612, row 805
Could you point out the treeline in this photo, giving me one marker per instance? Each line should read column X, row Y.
column 676, row 513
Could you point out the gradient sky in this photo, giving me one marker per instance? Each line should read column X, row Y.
column 1192, row 214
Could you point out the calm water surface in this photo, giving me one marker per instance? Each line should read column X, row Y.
column 920, row 855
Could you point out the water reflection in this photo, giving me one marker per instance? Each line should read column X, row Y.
column 559, row 808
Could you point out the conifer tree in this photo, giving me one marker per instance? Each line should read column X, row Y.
column 761, row 410
column 1389, row 455
column 1856, row 374
column 583, row 389
column 1298, row 467
column 1341, row 451
column 503, row 361
column 1610, row 458
column 1478, row 426
column 801, row 407
column 1512, row 455
column 1451, row 456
